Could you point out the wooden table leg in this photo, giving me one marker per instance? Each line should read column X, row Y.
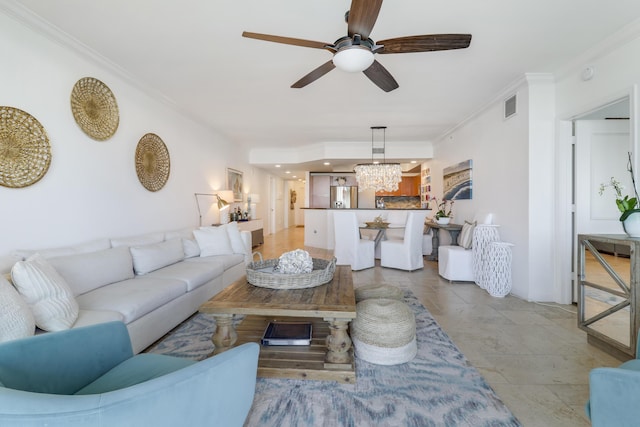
column 338, row 343
column 225, row 335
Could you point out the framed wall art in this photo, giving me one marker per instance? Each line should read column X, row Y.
column 234, row 183
column 457, row 182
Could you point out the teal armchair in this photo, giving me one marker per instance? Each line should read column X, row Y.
column 614, row 395
column 90, row 377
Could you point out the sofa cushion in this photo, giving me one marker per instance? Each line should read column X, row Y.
column 192, row 273
column 465, row 238
column 136, row 370
column 80, row 248
column 143, row 239
column 213, row 241
column 133, row 298
column 147, row 258
column 85, row 272
column 46, row 292
column 16, row 319
column 227, row 261
column 93, row 317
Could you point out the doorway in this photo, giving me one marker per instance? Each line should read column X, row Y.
column 601, row 140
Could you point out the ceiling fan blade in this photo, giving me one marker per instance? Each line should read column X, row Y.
column 362, row 17
column 381, row 77
column 286, row 40
column 426, row 43
column 314, row 75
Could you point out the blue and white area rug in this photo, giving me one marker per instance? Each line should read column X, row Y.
column 437, row 388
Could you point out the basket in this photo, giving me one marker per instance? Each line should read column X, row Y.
column 260, row 273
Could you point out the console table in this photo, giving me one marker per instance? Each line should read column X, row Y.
column 453, row 229
column 255, row 226
column 608, row 297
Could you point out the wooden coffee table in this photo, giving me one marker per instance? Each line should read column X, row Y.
column 329, row 307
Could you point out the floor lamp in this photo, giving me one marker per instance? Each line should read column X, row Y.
column 223, row 207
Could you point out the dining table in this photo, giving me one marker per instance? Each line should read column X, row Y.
column 381, row 230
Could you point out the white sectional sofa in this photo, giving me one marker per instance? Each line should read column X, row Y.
column 150, row 282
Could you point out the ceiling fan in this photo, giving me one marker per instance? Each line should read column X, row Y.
column 354, row 52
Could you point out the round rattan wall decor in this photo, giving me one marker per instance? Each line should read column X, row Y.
column 25, row 153
column 95, row 109
column 152, row 162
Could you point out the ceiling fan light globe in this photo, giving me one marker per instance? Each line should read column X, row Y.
column 353, row 59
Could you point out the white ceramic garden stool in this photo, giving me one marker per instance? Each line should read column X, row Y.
column 498, row 269
column 483, row 235
column 384, row 332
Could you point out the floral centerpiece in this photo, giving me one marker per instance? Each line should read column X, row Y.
column 629, row 206
column 445, row 211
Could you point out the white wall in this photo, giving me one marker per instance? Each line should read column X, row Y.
column 91, row 189
column 499, row 150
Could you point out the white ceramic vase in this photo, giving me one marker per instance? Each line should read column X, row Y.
column 443, row 220
column 631, row 225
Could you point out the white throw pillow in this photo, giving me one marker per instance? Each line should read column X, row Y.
column 213, row 241
column 46, row 293
column 189, row 244
column 234, row 237
column 16, row 319
column 465, row 238
column 148, row 258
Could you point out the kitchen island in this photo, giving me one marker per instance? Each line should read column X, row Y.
column 318, row 223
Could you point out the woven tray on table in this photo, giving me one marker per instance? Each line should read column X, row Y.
column 260, row 273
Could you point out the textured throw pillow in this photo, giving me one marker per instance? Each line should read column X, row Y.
column 148, row 258
column 46, row 293
column 16, row 319
column 234, row 237
column 213, row 241
column 466, row 234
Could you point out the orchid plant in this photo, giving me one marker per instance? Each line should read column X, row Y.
column 625, row 204
column 445, row 208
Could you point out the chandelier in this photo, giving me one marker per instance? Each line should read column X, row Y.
column 375, row 175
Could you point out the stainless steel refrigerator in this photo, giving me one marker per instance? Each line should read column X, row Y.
column 344, row 197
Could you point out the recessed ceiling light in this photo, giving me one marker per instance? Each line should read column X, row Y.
column 287, row 171
column 414, row 161
column 294, row 176
column 327, row 163
column 277, row 166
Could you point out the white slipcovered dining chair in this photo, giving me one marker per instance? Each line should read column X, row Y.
column 349, row 248
column 405, row 253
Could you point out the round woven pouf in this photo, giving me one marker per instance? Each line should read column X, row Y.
column 378, row 291
column 384, row 331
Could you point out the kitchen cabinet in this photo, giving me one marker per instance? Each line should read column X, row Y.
column 409, row 186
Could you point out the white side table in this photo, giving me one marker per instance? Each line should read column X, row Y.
column 483, row 234
column 498, row 269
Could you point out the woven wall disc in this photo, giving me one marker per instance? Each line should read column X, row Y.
column 25, row 153
column 95, row 109
column 152, row 162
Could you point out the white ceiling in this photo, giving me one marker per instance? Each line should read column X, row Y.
column 192, row 52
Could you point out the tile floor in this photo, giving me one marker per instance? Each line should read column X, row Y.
column 533, row 355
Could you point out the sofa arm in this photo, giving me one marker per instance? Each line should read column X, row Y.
column 614, row 397
column 63, row 362
column 215, row 392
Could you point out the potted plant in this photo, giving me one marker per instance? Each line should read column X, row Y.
column 630, row 207
column 444, row 212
